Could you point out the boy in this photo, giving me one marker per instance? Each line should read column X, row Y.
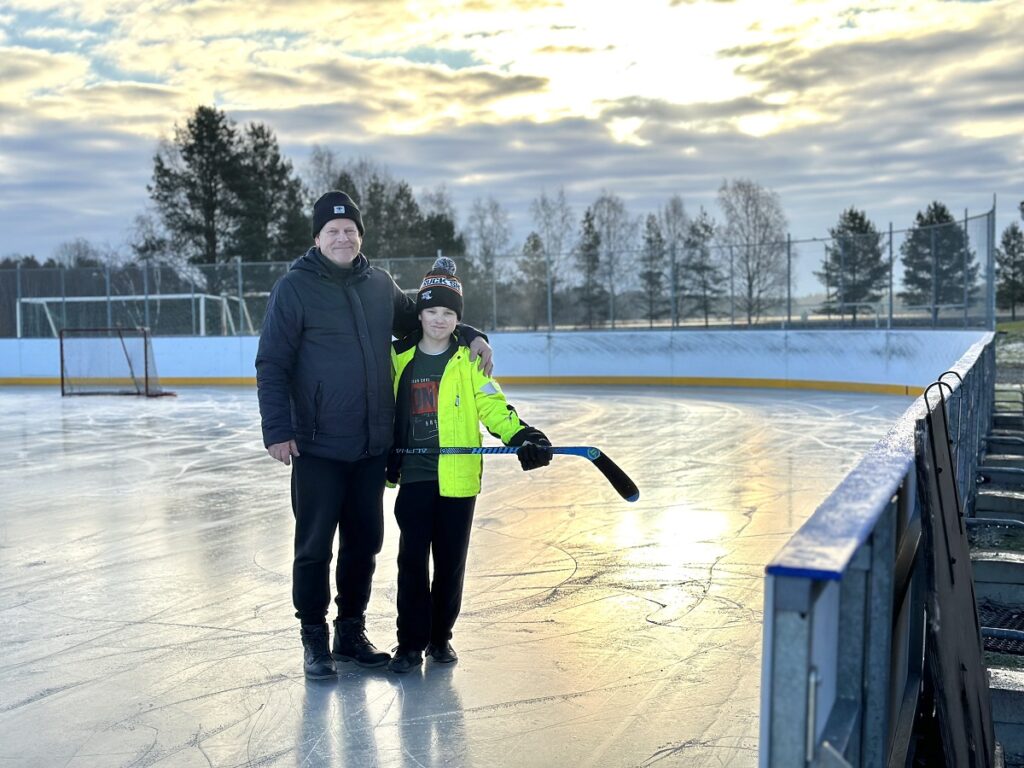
column 440, row 401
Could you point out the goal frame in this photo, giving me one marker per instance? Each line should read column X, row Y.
column 145, row 382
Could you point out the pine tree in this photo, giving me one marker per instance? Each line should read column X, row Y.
column 194, row 181
column 938, row 265
column 652, row 270
column 702, row 279
column 373, row 204
column 269, row 222
column 532, row 284
column 854, row 270
column 588, row 260
column 1010, row 269
column 406, row 241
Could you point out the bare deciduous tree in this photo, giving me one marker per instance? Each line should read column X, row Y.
column 321, row 173
column 616, row 230
column 437, row 201
column 755, row 230
column 488, row 232
column 674, row 223
column 553, row 221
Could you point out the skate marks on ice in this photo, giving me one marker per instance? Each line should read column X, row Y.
column 145, row 587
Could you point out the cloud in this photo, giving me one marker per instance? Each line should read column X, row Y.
column 27, row 72
column 572, row 49
column 62, row 180
column 59, row 34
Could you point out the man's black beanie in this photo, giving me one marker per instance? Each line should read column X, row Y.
column 335, row 205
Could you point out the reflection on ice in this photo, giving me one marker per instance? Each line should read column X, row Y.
column 145, row 587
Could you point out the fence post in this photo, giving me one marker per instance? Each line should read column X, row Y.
column 110, row 307
column 992, row 268
column 889, row 323
column 935, row 277
column 842, row 282
column 63, row 298
column 241, row 299
column 494, row 292
column 789, row 279
column 966, row 293
column 675, row 280
column 732, row 291
column 547, row 267
column 17, row 293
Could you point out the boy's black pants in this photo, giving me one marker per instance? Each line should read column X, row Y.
column 328, row 496
column 438, row 525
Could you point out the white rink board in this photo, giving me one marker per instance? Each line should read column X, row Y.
column 907, row 358
column 894, row 358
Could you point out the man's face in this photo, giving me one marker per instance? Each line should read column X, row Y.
column 339, row 241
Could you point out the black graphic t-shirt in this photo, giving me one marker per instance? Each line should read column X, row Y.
column 417, row 406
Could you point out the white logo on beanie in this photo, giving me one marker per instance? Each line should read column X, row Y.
column 426, row 296
column 339, row 209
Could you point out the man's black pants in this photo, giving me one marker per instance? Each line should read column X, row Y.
column 430, row 523
column 330, row 496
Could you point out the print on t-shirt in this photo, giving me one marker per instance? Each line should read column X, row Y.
column 424, row 409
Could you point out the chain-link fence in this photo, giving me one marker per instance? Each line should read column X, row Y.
column 936, row 276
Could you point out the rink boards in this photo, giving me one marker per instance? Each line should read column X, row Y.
column 885, row 362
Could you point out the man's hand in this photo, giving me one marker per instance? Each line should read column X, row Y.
column 283, row 452
column 480, row 348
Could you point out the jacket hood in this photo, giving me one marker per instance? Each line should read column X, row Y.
column 314, row 261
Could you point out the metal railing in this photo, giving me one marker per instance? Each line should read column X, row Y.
column 844, row 616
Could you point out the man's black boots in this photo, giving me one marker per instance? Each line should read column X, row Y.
column 316, row 658
column 350, row 644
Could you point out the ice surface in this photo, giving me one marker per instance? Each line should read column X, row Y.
column 146, row 619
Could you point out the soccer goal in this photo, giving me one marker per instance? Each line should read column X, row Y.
column 108, row 361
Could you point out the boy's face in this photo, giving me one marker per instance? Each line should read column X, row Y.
column 438, row 322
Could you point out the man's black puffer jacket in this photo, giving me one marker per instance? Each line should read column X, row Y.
column 323, row 368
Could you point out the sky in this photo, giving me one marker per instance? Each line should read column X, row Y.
column 884, row 105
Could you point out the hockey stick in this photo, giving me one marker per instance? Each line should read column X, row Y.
column 620, row 480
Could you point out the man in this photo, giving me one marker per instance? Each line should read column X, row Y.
column 323, row 373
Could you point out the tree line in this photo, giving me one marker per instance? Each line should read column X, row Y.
column 220, row 192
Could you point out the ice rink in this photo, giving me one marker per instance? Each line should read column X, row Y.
column 146, row 618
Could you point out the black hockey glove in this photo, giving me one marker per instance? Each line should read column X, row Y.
column 534, row 448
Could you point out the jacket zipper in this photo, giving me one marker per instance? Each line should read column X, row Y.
column 316, row 406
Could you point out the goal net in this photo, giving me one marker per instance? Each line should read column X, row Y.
column 108, row 361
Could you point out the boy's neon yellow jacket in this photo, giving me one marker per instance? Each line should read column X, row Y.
column 465, row 399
